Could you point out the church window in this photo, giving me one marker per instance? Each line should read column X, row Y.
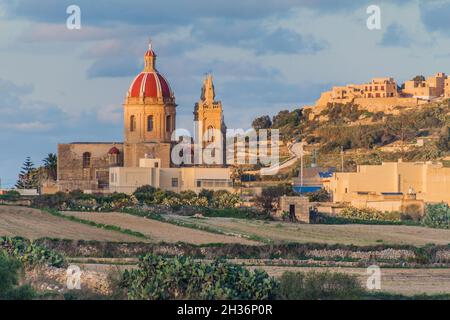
column 132, row 123
column 86, row 160
column 168, row 123
column 210, row 134
column 150, row 123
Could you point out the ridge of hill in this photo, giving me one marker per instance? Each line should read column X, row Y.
column 413, row 134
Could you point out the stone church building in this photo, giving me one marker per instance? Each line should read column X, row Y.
column 149, row 120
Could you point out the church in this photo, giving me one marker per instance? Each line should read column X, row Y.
column 144, row 158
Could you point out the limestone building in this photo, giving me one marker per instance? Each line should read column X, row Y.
column 149, row 121
column 432, row 87
column 392, row 184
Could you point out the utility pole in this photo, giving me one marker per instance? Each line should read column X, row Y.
column 302, row 153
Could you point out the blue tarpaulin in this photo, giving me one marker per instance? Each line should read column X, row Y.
column 306, row 189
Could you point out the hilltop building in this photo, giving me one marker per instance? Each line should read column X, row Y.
column 432, row 87
column 392, row 186
column 384, row 95
column 145, row 155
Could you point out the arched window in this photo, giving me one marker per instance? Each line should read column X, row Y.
column 86, row 160
column 132, row 123
column 150, row 123
column 168, row 123
column 210, row 134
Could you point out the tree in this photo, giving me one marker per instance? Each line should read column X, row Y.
column 263, row 122
column 9, row 280
column 444, row 139
column 419, row 78
column 50, row 165
column 27, row 176
column 271, row 194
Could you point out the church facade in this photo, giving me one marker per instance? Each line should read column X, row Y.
column 149, row 121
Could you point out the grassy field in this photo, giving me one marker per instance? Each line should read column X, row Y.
column 33, row 224
column 331, row 234
column 158, row 231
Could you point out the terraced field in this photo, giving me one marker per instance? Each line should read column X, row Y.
column 33, row 224
column 158, row 231
column 345, row 234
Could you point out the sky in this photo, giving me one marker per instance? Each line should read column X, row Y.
column 59, row 85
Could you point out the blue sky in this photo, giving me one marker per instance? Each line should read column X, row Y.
column 60, row 85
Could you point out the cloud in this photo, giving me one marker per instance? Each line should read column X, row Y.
column 254, row 36
column 112, row 114
column 10, row 92
column 396, row 36
column 435, row 16
column 166, row 12
column 29, row 126
column 114, row 67
column 289, row 42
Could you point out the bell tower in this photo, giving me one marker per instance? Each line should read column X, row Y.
column 209, row 115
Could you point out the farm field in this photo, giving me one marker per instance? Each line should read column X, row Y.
column 33, row 224
column 393, row 280
column 158, row 231
column 345, row 234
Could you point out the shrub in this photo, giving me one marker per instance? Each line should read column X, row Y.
column 145, row 193
column 183, row 278
column 223, row 199
column 10, row 196
column 437, row 216
column 369, row 214
column 318, row 285
column 321, row 195
column 271, row 194
column 29, row 253
column 9, row 280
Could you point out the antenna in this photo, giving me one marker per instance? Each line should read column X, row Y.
column 150, row 47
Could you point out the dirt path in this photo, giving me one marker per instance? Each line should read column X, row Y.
column 159, row 231
column 33, row 224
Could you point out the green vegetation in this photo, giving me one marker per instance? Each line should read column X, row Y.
column 160, row 278
column 270, row 195
column 437, row 216
column 78, row 201
column 318, row 285
column 319, row 196
column 30, row 253
column 9, row 280
column 368, row 214
column 144, row 197
column 347, row 126
column 27, row 176
column 10, row 196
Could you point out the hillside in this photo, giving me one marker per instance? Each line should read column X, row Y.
column 413, row 134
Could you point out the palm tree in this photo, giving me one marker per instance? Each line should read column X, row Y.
column 51, row 165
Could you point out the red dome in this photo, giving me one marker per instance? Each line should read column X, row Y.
column 150, row 84
column 113, row 150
